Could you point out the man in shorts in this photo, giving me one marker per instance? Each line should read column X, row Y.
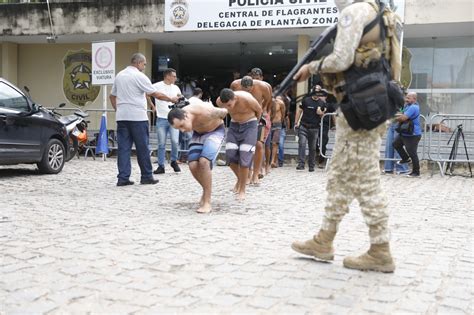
column 257, row 74
column 262, row 92
column 206, row 123
column 244, row 111
column 278, row 116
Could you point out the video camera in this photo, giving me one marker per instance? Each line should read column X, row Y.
column 182, row 102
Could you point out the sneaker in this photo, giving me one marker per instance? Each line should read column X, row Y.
column 404, row 161
column 127, row 183
column 221, row 162
column 300, row 167
column 175, row 167
column 311, row 169
column 413, row 175
column 385, row 172
column 150, row 181
column 280, row 164
column 159, row 170
column 403, row 172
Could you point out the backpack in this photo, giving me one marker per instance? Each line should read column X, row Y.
column 371, row 94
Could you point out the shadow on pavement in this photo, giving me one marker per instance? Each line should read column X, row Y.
column 15, row 172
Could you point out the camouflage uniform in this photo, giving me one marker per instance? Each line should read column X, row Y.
column 354, row 173
column 354, row 169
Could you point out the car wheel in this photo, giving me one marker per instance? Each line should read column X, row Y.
column 72, row 148
column 53, row 157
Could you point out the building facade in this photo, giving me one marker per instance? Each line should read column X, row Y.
column 43, row 44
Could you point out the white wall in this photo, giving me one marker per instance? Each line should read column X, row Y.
column 439, row 11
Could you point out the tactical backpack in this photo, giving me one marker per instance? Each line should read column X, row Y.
column 371, row 94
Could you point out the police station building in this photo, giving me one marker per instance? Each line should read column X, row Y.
column 47, row 46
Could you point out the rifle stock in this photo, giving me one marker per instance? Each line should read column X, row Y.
column 313, row 50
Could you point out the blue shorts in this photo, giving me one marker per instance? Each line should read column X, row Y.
column 206, row 145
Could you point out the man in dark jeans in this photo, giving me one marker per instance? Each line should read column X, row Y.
column 406, row 144
column 307, row 122
column 128, row 98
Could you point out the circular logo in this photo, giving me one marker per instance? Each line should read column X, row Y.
column 179, row 13
column 103, row 57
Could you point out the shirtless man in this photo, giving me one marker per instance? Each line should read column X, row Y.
column 277, row 117
column 257, row 74
column 206, row 123
column 245, row 112
column 262, row 92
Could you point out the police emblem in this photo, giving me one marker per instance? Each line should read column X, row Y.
column 77, row 79
column 179, row 13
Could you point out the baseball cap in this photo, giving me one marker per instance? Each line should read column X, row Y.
column 321, row 93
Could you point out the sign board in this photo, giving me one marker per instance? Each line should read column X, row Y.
column 162, row 63
column 213, row 15
column 103, row 63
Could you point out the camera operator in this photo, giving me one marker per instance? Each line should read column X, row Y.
column 307, row 122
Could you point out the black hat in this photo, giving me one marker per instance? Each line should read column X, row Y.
column 321, row 93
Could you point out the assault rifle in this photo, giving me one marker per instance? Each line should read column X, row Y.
column 316, row 46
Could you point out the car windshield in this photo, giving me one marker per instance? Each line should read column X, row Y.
column 11, row 98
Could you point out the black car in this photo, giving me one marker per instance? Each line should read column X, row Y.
column 29, row 133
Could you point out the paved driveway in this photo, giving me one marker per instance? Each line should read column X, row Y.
column 76, row 243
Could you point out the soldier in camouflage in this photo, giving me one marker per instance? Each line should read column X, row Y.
column 354, row 169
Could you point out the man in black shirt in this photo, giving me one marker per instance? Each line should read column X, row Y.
column 307, row 122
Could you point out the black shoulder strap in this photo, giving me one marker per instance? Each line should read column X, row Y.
column 375, row 21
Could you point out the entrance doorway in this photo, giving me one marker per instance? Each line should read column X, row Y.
column 214, row 66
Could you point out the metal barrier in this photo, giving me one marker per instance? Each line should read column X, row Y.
column 450, row 140
column 95, row 119
column 456, row 130
column 331, row 136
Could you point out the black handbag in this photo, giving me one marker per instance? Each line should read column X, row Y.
column 405, row 127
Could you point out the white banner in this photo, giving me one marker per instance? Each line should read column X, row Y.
column 212, row 15
column 103, row 63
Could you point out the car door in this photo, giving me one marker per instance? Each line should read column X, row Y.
column 20, row 133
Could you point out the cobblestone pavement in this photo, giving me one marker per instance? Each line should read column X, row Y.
column 76, row 243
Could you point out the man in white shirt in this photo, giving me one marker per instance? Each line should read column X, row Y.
column 128, row 98
column 169, row 90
